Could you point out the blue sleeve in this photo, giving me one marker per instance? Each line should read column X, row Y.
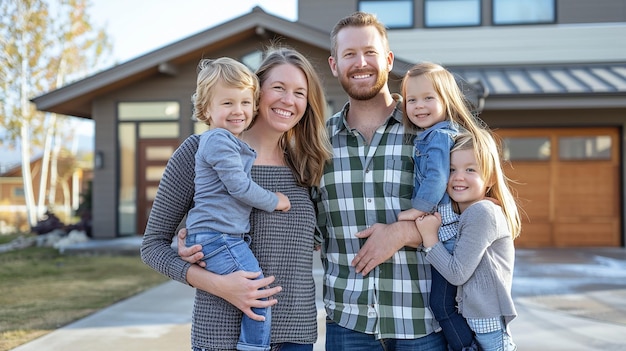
column 436, row 173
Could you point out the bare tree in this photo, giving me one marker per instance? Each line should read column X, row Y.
column 42, row 48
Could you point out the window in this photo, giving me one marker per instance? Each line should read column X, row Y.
column 127, row 192
column 392, row 13
column 451, row 13
column 253, row 59
column 141, row 111
column 526, row 148
column 18, row 192
column 524, row 11
column 585, row 148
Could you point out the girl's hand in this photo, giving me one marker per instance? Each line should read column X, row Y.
column 410, row 215
column 428, row 226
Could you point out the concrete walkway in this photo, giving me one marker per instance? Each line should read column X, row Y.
column 567, row 299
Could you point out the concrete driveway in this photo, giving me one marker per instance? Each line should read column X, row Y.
column 567, row 299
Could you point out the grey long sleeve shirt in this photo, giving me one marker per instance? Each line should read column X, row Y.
column 482, row 264
column 224, row 192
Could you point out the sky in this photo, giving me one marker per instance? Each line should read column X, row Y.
column 153, row 24
column 137, row 27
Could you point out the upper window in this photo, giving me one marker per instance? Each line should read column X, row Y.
column 141, row 111
column 597, row 147
column 451, row 13
column 524, row 11
column 392, row 13
column 526, row 148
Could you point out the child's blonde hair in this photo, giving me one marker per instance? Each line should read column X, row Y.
column 227, row 71
column 452, row 99
column 487, row 153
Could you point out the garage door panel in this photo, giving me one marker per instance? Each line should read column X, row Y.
column 531, row 186
column 535, row 234
column 587, row 190
column 586, row 233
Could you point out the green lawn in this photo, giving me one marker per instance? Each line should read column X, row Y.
column 41, row 290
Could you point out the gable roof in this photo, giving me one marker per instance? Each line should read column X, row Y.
column 75, row 99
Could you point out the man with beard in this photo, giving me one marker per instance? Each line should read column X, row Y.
column 376, row 283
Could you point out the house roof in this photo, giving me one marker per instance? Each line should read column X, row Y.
column 600, row 78
column 75, row 99
column 593, row 85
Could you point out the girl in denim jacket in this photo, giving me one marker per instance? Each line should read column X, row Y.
column 436, row 108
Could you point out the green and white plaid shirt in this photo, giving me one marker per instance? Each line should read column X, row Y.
column 363, row 185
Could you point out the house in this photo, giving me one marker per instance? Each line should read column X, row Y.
column 69, row 189
column 555, row 73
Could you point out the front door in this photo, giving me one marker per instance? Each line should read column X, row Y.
column 152, row 157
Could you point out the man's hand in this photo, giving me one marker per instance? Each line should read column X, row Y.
column 383, row 240
column 239, row 288
column 190, row 254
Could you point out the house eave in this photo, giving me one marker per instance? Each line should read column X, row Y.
column 554, row 101
column 76, row 99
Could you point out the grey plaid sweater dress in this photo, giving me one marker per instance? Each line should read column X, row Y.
column 281, row 241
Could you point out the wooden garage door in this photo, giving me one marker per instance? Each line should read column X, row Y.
column 568, row 183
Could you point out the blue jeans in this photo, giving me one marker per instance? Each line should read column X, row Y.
column 443, row 304
column 285, row 346
column 225, row 254
column 498, row 340
column 289, row 346
column 339, row 338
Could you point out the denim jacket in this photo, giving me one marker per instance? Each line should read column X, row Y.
column 432, row 166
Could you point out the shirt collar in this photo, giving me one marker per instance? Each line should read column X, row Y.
column 395, row 117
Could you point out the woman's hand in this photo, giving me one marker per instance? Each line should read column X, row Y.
column 190, row 254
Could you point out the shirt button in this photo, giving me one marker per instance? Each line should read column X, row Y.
column 371, row 311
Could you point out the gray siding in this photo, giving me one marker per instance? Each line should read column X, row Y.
column 324, row 14
column 586, row 11
column 506, row 45
column 105, row 179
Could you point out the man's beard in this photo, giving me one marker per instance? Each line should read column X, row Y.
column 363, row 93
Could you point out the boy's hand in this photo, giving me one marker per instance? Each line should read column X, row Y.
column 283, row 202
